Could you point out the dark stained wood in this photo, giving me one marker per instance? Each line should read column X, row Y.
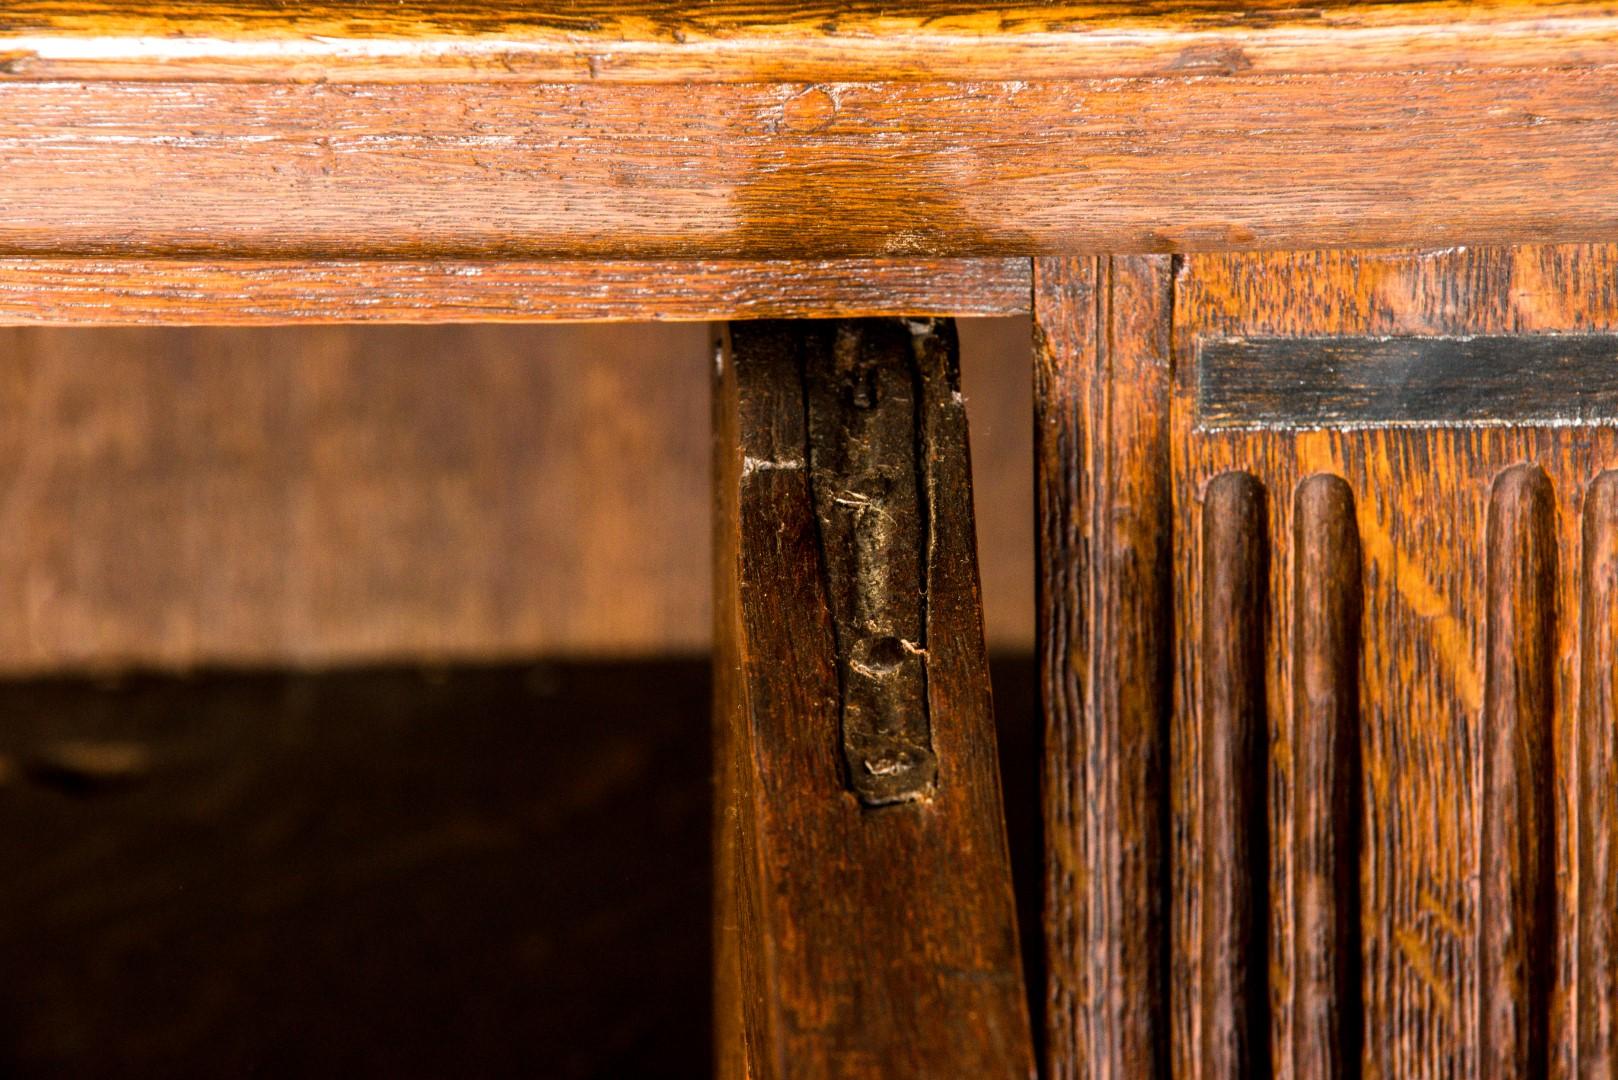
column 1327, row 1015
column 750, row 40
column 1348, row 381
column 1234, row 897
column 1517, row 898
column 866, row 400
column 131, row 292
column 320, row 170
column 851, row 941
column 1598, row 784
column 1421, row 498
column 1101, row 391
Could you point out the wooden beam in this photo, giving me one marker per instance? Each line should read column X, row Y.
column 663, row 41
column 468, row 131
column 864, row 910
column 145, row 292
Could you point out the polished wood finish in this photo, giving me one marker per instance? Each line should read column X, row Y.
column 150, row 292
column 750, row 41
column 1517, row 902
column 1598, row 784
column 324, row 170
column 1468, row 675
column 1233, row 1011
column 1327, row 601
column 1101, row 476
column 851, row 940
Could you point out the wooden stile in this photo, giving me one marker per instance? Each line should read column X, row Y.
column 865, row 924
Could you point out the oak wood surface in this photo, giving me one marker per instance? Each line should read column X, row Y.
column 757, row 40
column 324, row 170
column 851, row 940
column 1441, row 818
column 1327, row 603
column 1102, row 482
column 136, row 292
column 1233, row 1009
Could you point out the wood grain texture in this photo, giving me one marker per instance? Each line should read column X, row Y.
column 332, row 171
column 746, row 40
column 1517, row 900
column 136, row 292
column 1421, row 500
column 1598, row 784
column 1328, row 1021
column 1234, row 1017
column 850, row 941
column 1101, row 391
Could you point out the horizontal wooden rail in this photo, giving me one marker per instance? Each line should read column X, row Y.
column 135, row 292
column 463, row 130
column 662, row 41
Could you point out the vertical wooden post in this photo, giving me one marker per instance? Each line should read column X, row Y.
column 1102, row 484
column 864, row 911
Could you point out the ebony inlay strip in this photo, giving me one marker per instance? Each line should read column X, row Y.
column 1235, row 874
column 1518, row 887
column 1327, row 601
column 1265, row 382
column 1598, row 784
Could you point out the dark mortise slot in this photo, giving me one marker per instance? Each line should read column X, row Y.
column 866, row 396
column 1264, row 382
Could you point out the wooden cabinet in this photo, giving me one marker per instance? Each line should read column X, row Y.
column 1326, row 373
column 1327, row 660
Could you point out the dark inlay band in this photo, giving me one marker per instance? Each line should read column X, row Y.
column 1286, row 383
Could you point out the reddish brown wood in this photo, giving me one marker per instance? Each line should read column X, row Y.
column 1327, row 1016
column 1234, row 897
column 1101, row 381
column 1517, row 902
column 746, row 40
column 327, row 170
column 852, row 941
column 1422, row 496
column 69, row 292
column 1598, row 784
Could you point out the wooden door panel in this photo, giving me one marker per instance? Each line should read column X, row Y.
column 1389, row 802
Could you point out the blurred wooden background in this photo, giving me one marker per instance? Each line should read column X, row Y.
column 323, row 496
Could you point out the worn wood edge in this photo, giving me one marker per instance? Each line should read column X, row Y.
column 604, row 42
column 910, row 904
column 150, row 292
